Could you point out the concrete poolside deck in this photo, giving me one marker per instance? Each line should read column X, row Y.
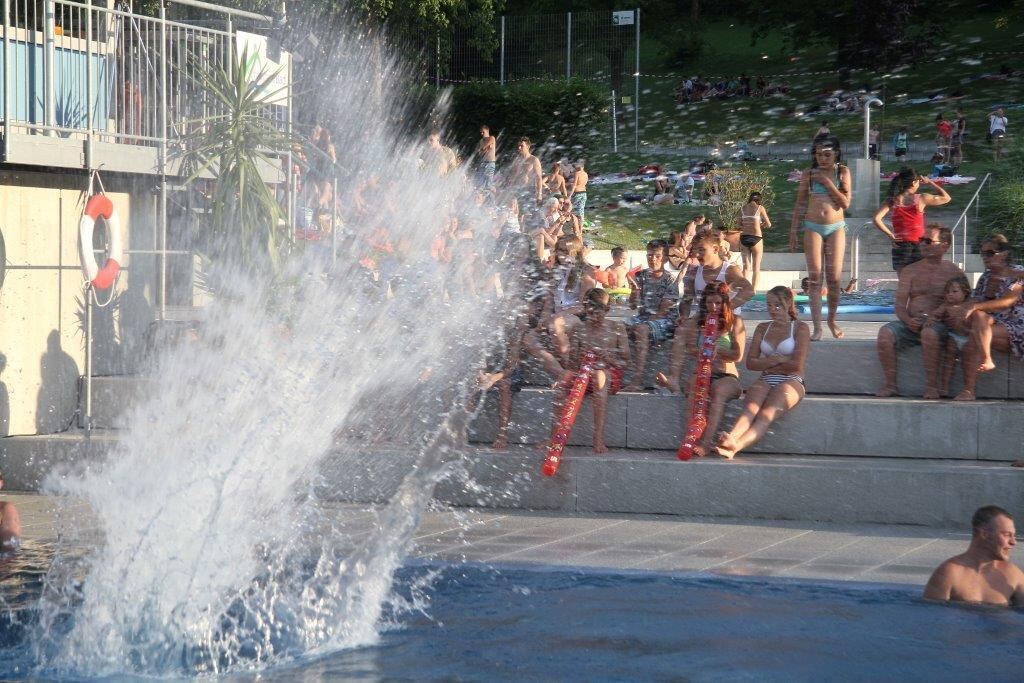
column 889, row 554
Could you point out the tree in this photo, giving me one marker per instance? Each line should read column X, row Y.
column 238, row 144
column 864, row 33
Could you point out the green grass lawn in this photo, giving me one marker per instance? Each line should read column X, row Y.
column 972, row 51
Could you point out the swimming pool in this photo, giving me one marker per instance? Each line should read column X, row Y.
column 512, row 623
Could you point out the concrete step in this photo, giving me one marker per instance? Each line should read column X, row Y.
column 937, row 493
column 850, row 366
column 820, row 425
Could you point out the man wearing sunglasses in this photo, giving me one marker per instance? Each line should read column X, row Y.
column 920, row 291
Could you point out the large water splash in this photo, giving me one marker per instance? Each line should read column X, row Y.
column 215, row 554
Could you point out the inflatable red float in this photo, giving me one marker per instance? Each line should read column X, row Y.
column 701, row 398
column 571, row 409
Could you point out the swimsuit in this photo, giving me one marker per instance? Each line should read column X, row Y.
column 825, row 230
column 748, row 240
column 786, row 347
column 579, row 204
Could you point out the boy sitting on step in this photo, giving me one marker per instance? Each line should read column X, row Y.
column 608, row 341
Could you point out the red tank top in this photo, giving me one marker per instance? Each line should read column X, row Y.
column 907, row 223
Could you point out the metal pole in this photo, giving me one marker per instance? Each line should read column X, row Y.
column 87, row 417
column 88, row 85
column 437, row 62
column 615, row 125
column 636, row 93
column 568, row 45
column 49, row 46
column 163, row 162
column 502, row 68
column 8, row 70
column 334, row 226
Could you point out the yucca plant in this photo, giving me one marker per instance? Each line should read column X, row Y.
column 232, row 145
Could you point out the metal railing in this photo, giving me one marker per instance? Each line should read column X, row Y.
column 80, row 69
column 961, row 224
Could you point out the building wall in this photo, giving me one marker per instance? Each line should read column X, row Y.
column 42, row 318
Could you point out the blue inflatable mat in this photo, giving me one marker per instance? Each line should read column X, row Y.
column 853, row 308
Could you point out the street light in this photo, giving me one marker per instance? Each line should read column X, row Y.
column 867, row 124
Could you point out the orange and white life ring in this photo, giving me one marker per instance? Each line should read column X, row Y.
column 99, row 206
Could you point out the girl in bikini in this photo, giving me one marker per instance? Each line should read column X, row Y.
column 778, row 350
column 732, row 338
column 753, row 217
column 824, row 194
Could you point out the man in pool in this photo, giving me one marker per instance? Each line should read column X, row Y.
column 10, row 524
column 983, row 574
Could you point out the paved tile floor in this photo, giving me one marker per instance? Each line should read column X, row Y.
column 862, row 553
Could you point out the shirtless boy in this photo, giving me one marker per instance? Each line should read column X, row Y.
column 578, row 191
column 617, row 270
column 921, row 290
column 486, row 151
column 526, row 178
column 983, row 574
column 608, row 340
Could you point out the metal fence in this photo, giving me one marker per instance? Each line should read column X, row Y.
column 91, row 70
column 595, row 46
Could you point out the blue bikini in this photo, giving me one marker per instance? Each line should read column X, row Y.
column 825, row 230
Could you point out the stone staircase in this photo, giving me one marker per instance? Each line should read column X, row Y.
column 840, row 456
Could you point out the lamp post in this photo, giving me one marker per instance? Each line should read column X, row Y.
column 867, row 124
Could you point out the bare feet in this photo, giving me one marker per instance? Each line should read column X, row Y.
column 726, row 453
column 886, row 392
column 931, row 395
column 701, row 449
column 663, row 381
column 837, row 331
column 816, row 334
column 965, row 395
column 599, row 447
column 500, row 443
column 986, row 365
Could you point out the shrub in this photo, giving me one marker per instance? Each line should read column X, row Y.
column 570, row 114
column 1004, row 205
column 734, row 186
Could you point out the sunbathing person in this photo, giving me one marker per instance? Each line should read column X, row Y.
column 731, row 340
column 778, row 350
column 608, row 341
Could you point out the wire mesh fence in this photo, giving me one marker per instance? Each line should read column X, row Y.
column 595, row 46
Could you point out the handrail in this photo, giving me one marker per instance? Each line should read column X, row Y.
column 855, row 254
column 223, row 10
column 975, row 200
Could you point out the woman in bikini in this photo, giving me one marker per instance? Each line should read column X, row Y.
column 824, row 194
column 778, row 350
column 753, row 217
column 907, row 206
column 555, row 182
column 732, row 338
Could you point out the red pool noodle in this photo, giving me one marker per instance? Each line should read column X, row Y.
column 701, row 398
column 571, row 409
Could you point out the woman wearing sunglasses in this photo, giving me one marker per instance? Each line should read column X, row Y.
column 823, row 196
column 997, row 321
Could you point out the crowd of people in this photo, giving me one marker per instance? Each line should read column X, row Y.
column 698, row 88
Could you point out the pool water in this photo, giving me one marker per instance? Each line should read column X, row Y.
column 518, row 624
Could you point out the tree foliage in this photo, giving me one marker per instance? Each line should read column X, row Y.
column 734, row 187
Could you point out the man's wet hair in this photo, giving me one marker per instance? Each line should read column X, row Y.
column 945, row 234
column 983, row 516
column 618, row 251
column 657, row 244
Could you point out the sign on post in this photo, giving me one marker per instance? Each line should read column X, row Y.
column 261, row 65
column 622, row 18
